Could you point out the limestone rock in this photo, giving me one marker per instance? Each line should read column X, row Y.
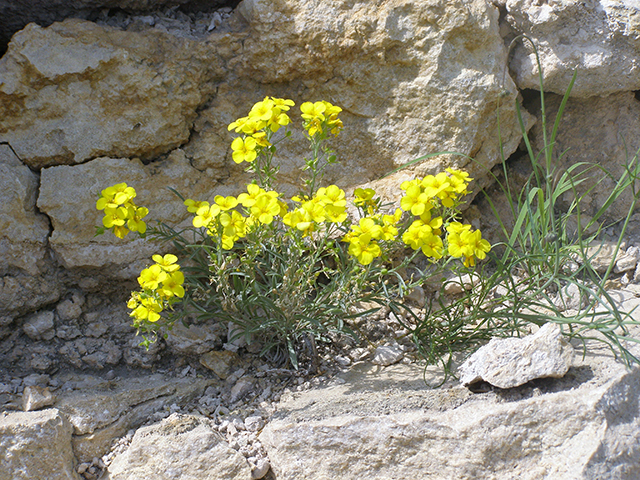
column 23, row 231
column 40, row 326
column 511, row 362
column 600, row 131
column 34, row 398
column 76, row 91
column 74, row 214
column 413, row 78
column 192, row 340
column 181, row 446
column 220, row 362
column 101, row 412
column 386, row 355
column 600, row 39
column 382, row 425
column 34, row 443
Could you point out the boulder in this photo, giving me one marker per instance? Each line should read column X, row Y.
column 23, row 231
column 101, row 411
column 600, row 39
column 74, row 215
column 382, row 424
column 76, row 91
column 511, row 362
column 181, row 446
column 16, row 14
column 602, row 133
column 36, row 442
column 412, row 79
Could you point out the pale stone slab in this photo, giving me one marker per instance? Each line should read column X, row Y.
column 511, row 362
column 35, row 444
column 181, row 446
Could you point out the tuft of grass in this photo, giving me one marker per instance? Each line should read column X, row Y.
column 540, row 266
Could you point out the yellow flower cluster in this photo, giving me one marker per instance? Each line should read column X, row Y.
column 264, row 118
column 463, row 242
column 364, row 238
column 426, row 199
column 161, row 283
column 320, row 117
column 328, row 205
column 424, row 195
column 119, row 210
column 223, row 221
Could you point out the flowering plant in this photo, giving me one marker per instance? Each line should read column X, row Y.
column 290, row 272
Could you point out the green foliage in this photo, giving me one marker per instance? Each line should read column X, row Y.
column 289, row 273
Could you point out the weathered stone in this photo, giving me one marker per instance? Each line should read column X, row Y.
column 192, row 340
column 242, row 388
column 39, row 326
column 76, row 91
column 600, row 256
column 23, row 231
column 181, row 446
column 71, row 308
column 457, row 285
column 261, row 469
column 36, row 444
column 600, row 39
column 600, row 131
column 73, row 235
column 511, row 362
column 102, row 412
column 386, row 355
column 628, row 261
column 16, row 14
column 385, row 424
column 220, row 362
column 412, row 79
column 34, row 398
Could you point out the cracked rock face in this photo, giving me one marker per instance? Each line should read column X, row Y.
column 36, row 442
column 181, row 446
column 511, row 362
column 23, row 231
column 76, row 91
column 600, row 39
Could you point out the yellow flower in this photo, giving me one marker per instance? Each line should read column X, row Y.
column 457, row 227
column 312, row 111
column 244, row 150
column 416, row 201
column 193, row 206
column 283, row 103
column 172, row 285
column 114, row 217
column 151, row 277
column 167, row 263
column 135, row 215
column 262, row 110
column 432, row 246
column 149, row 310
column 114, row 196
column 120, row 232
column 439, row 186
column 364, row 248
column 238, row 124
column 248, row 199
column 206, row 215
column 367, row 226
column 459, row 180
column 265, row 208
column 226, row 203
